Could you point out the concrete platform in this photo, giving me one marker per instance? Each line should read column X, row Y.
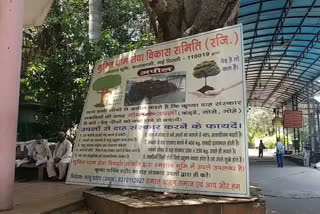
column 297, row 159
column 292, row 189
column 115, row 201
column 46, row 197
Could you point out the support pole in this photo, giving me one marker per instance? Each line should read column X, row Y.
column 318, row 126
column 284, row 139
column 287, row 139
column 11, row 22
column 294, row 109
column 300, row 147
column 314, row 128
column 309, row 119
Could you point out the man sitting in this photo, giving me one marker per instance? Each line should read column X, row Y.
column 61, row 158
column 38, row 152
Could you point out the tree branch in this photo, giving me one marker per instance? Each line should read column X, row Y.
column 153, row 20
column 173, row 19
column 233, row 17
column 196, row 25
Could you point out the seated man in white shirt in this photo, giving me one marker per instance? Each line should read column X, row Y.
column 38, row 152
column 61, row 158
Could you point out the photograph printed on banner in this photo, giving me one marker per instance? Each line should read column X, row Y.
column 208, row 71
column 156, row 89
column 108, row 87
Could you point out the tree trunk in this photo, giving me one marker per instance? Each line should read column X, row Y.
column 104, row 96
column 95, row 20
column 172, row 19
column 205, row 81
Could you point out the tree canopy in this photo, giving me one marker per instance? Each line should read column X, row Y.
column 57, row 55
column 259, row 123
column 109, row 82
column 206, row 69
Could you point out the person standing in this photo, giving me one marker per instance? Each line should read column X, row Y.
column 61, row 158
column 261, row 148
column 38, row 152
column 279, row 153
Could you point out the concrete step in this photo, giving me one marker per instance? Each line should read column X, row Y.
column 82, row 211
column 69, row 208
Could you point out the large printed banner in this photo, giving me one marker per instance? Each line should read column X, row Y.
column 170, row 117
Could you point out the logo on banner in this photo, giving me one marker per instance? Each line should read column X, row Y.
column 156, row 70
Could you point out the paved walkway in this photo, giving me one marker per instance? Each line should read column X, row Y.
column 289, row 190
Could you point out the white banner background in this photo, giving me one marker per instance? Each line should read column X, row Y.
column 158, row 131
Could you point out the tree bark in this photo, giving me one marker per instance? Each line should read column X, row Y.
column 95, row 20
column 172, row 19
